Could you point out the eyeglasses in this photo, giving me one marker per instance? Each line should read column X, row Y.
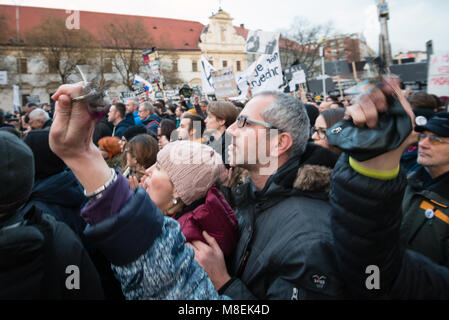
column 432, row 139
column 242, row 121
column 320, row 131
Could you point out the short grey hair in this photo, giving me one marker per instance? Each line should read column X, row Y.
column 148, row 106
column 289, row 115
column 39, row 114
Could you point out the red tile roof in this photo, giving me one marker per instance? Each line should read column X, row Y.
column 173, row 33
column 179, row 34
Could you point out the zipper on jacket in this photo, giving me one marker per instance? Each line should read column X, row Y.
column 243, row 264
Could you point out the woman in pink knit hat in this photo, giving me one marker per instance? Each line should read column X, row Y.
column 182, row 184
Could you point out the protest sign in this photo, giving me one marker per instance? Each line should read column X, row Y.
column 438, row 81
column 288, row 72
column 264, row 74
column 206, row 78
column 126, row 95
column 33, row 99
column 3, row 78
column 225, row 85
column 262, row 42
column 16, row 98
column 153, row 66
column 170, row 94
column 299, row 77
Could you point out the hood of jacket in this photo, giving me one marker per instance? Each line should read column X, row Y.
column 62, row 189
column 216, row 217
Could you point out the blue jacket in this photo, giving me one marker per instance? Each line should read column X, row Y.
column 148, row 251
column 137, row 120
column 121, row 127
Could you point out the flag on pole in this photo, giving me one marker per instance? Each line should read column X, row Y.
column 145, row 83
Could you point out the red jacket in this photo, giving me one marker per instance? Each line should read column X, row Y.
column 216, row 217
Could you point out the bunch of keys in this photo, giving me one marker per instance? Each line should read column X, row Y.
column 96, row 98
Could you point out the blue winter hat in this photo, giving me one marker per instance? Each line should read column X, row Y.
column 438, row 124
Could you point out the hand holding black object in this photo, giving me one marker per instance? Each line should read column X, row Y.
column 380, row 121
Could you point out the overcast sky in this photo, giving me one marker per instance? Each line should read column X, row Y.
column 412, row 22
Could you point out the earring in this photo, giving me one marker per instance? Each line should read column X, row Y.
column 175, row 201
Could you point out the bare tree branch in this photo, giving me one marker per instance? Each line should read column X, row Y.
column 63, row 48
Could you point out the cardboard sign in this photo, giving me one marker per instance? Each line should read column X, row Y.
column 438, row 81
column 262, row 42
column 224, row 83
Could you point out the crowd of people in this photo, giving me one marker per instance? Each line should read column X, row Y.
column 204, row 199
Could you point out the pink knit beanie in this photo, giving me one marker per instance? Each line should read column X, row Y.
column 192, row 167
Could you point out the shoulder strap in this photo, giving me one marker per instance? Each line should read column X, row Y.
column 151, row 123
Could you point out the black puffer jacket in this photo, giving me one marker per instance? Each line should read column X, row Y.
column 35, row 252
column 285, row 249
column 366, row 217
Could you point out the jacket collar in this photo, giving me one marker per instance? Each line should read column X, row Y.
column 421, row 180
column 281, row 182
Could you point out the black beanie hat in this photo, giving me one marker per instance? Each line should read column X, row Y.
column 17, row 172
column 46, row 163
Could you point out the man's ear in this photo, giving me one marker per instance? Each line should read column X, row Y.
column 282, row 143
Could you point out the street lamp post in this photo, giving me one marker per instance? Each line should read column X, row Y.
column 321, row 44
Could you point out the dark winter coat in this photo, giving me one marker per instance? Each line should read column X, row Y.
column 61, row 196
column 121, row 127
column 213, row 215
column 103, row 128
column 35, row 253
column 286, row 249
column 425, row 223
column 152, row 123
column 366, row 217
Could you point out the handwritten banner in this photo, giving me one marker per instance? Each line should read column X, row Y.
column 438, row 80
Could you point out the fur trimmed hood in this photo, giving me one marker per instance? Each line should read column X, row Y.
column 313, row 178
